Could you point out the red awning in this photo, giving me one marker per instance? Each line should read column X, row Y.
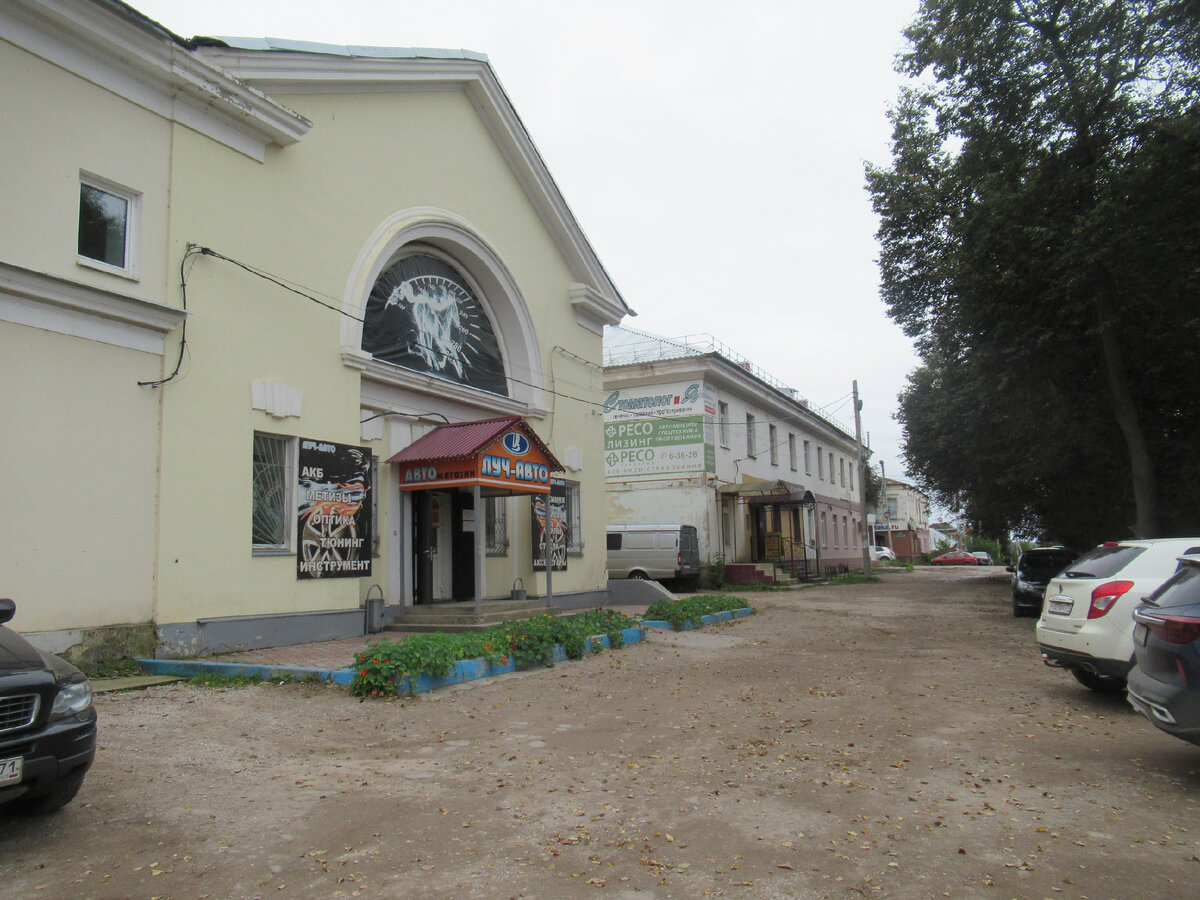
column 503, row 455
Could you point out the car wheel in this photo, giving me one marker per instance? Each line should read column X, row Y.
column 62, row 794
column 1102, row 684
column 638, row 576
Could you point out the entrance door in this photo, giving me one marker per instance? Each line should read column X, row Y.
column 462, row 545
column 443, row 556
column 423, row 547
column 759, row 546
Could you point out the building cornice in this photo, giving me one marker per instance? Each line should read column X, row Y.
column 356, row 70
column 28, row 297
column 388, row 375
column 135, row 58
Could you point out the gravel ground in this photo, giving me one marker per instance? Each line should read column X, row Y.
column 896, row 739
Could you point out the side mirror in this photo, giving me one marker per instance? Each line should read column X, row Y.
column 8, row 609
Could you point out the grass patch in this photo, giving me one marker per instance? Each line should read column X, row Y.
column 853, row 578
column 218, row 680
column 690, row 609
column 121, row 668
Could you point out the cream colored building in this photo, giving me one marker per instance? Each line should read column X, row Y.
column 697, row 434
column 280, row 199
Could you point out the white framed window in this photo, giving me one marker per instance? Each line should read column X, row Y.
column 792, row 451
column 495, row 519
column 824, row 531
column 109, row 225
column 773, row 437
column 842, row 470
column 574, row 519
column 831, row 481
column 820, row 464
column 751, row 450
column 273, row 497
column 850, row 471
column 807, row 458
column 723, row 422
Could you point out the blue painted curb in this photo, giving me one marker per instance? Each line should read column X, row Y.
column 711, row 619
column 464, row 670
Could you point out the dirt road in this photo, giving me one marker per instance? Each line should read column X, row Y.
column 897, row 739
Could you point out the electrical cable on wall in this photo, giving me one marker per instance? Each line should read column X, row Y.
column 194, row 250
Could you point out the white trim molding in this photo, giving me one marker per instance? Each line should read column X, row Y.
column 515, row 330
column 137, row 59
column 69, row 307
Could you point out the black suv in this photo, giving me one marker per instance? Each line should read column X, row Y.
column 1032, row 573
column 47, row 725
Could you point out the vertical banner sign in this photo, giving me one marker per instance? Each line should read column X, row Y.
column 556, row 500
column 334, row 505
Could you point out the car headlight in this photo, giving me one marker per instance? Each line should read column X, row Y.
column 73, row 697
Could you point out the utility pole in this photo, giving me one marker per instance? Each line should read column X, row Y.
column 862, row 483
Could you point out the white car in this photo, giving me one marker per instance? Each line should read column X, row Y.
column 985, row 558
column 878, row 553
column 1086, row 624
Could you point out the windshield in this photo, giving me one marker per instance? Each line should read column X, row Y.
column 1103, row 562
column 1044, row 566
column 1181, row 589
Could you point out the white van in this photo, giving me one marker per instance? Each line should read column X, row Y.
column 653, row 551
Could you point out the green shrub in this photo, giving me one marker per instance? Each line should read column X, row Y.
column 527, row 642
column 686, row 609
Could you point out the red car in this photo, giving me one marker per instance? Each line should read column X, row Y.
column 956, row 558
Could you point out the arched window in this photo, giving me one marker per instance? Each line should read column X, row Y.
column 422, row 314
column 429, row 297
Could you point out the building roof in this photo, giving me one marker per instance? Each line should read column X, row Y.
column 463, row 440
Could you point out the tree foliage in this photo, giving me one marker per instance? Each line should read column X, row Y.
column 1040, row 235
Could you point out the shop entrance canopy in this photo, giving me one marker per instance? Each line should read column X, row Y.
column 499, row 456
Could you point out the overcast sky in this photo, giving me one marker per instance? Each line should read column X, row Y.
column 712, row 152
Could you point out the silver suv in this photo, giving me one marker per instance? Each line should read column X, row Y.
column 1086, row 624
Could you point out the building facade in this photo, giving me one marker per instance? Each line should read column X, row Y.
column 251, row 275
column 902, row 521
column 696, row 434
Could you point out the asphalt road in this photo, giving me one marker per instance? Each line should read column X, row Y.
column 898, row 739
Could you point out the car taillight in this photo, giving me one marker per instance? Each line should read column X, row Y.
column 679, row 559
column 1105, row 596
column 1174, row 629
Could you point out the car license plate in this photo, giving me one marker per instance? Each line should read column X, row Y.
column 1141, row 634
column 1061, row 606
column 10, row 770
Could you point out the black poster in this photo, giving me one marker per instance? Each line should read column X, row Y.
column 423, row 315
column 334, row 521
column 557, row 501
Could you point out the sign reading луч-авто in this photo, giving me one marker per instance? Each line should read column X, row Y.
column 513, row 461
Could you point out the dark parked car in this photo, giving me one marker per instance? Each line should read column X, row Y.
column 1164, row 684
column 47, row 725
column 1032, row 573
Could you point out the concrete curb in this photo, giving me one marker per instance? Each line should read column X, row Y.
column 464, row 670
column 711, row 619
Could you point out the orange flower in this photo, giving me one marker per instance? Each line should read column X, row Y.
column 364, row 671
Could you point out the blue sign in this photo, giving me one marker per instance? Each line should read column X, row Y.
column 516, row 443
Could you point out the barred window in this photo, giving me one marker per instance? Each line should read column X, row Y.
column 574, row 520
column 273, row 476
column 495, row 515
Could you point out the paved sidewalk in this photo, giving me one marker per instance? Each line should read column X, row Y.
column 337, row 654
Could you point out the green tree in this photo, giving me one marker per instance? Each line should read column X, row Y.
column 1041, row 241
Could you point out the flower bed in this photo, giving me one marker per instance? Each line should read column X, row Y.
column 391, row 667
column 690, row 611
